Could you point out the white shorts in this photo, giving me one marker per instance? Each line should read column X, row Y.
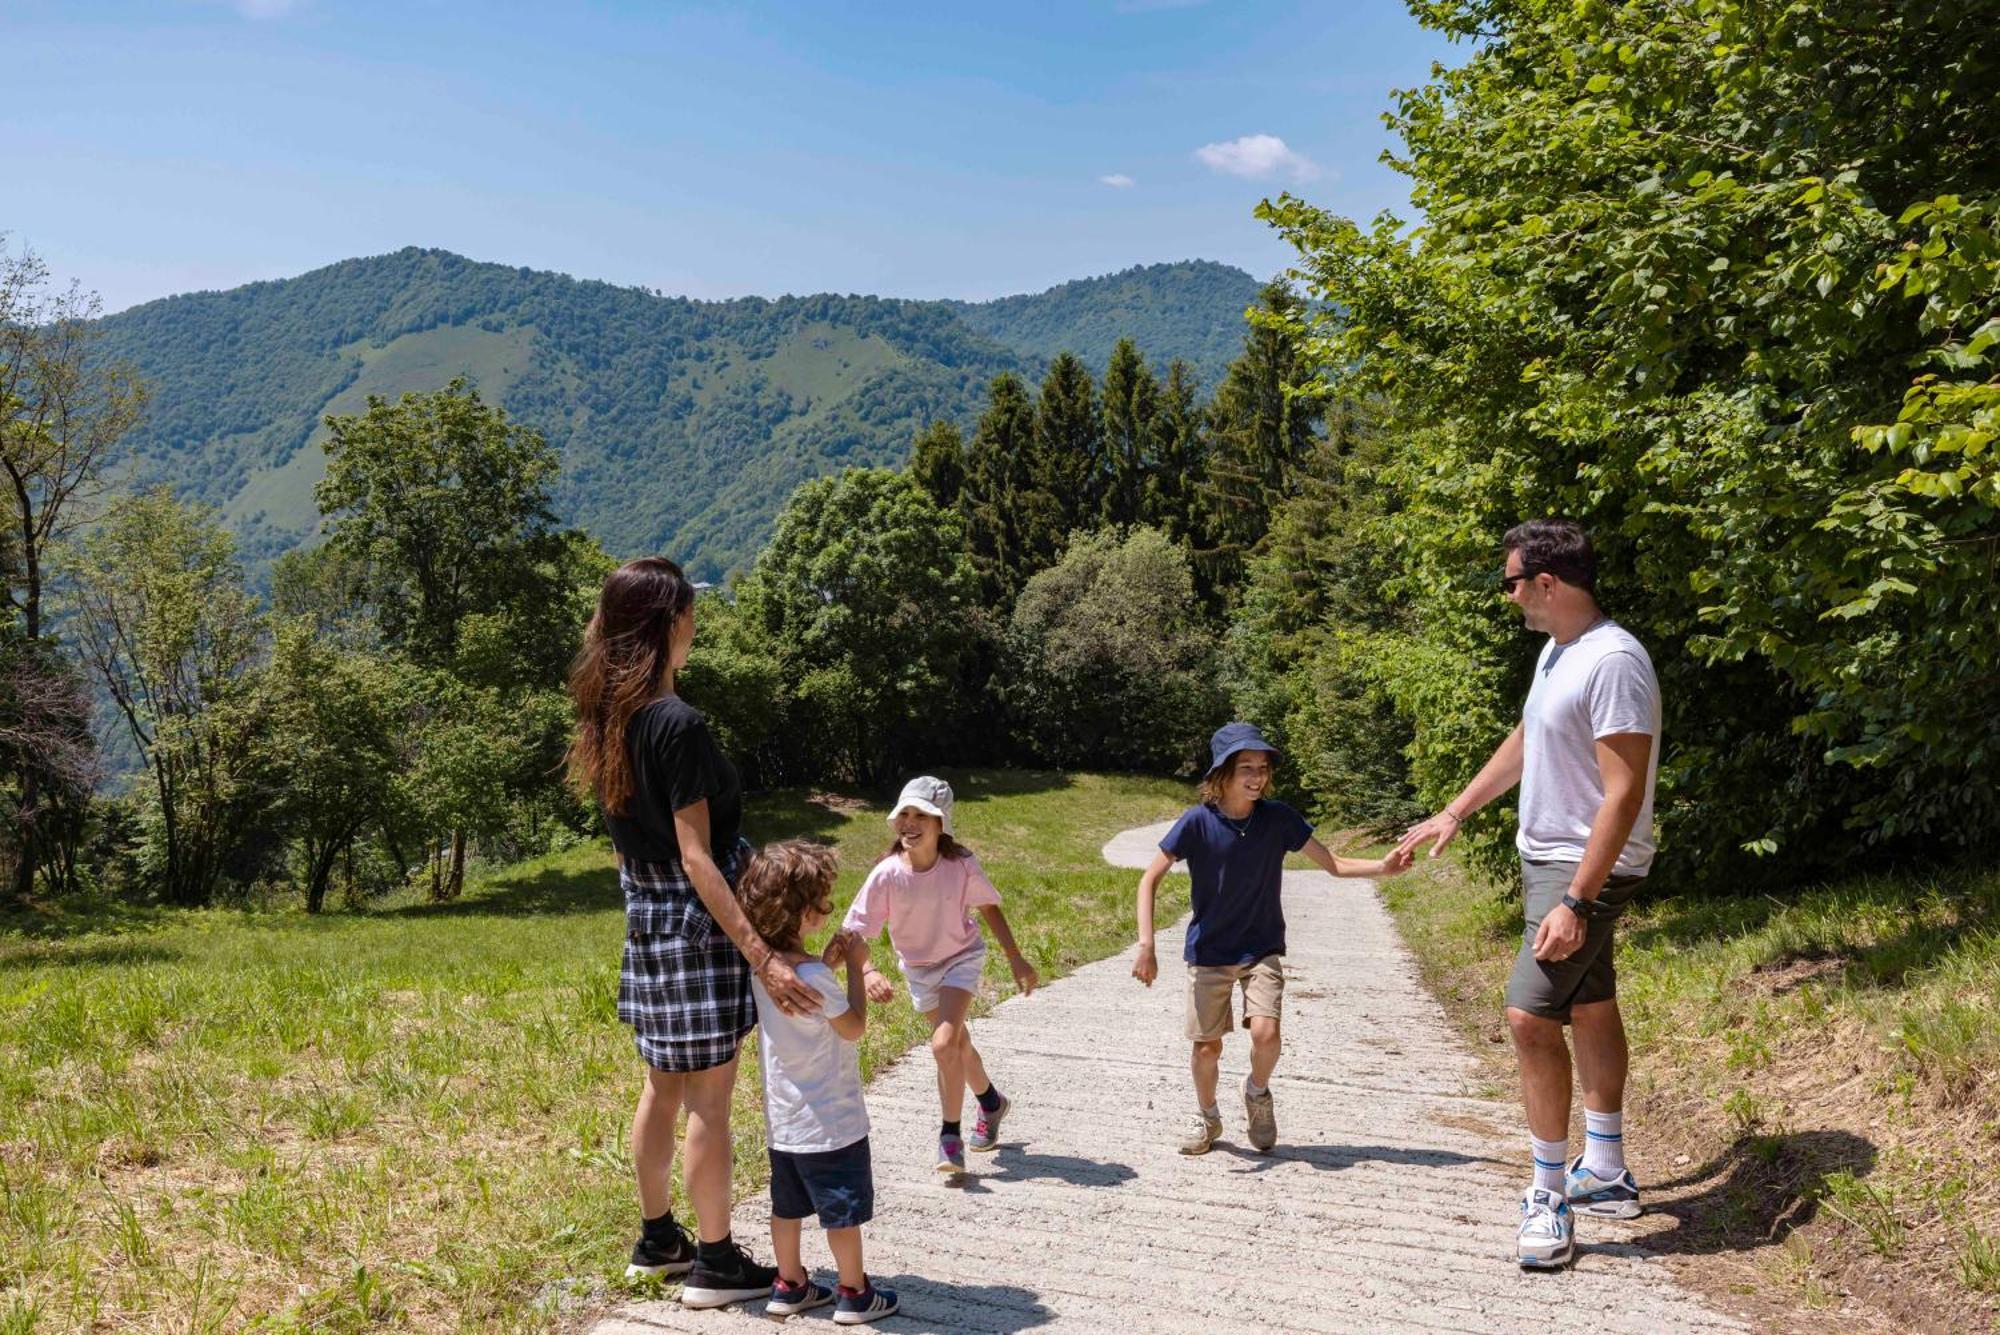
column 960, row 971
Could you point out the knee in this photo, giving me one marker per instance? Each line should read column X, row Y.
column 946, row 1040
column 1263, row 1033
column 1533, row 1032
column 1208, row 1049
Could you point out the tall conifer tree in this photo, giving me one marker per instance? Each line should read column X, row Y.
column 1001, row 501
column 1069, row 452
column 937, row 463
column 1259, row 434
column 1131, row 403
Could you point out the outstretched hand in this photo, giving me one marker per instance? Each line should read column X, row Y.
column 1396, row 861
column 1440, row 830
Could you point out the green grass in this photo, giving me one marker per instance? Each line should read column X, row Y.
column 414, row 1114
column 1829, row 1061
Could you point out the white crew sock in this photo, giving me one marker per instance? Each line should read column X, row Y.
column 1551, row 1157
column 1255, row 1090
column 1212, row 1110
column 1604, row 1144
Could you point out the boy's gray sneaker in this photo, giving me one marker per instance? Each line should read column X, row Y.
column 985, row 1136
column 1262, row 1112
column 1200, row 1132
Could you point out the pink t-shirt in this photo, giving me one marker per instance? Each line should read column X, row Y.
column 929, row 913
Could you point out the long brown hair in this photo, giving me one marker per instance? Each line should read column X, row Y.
column 619, row 669
column 948, row 847
column 781, row 882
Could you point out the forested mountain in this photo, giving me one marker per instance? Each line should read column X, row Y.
column 683, row 424
column 1192, row 310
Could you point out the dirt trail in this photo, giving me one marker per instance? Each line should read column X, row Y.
column 1387, row 1205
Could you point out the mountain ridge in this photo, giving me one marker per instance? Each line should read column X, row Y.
column 684, row 422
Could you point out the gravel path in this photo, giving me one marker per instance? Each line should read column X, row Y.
column 1387, row 1205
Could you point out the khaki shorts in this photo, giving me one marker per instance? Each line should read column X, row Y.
column 1211, row 989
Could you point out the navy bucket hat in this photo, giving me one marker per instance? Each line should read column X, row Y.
column 1233, row 737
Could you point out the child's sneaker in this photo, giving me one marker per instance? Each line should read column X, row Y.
column 1614, row 1198
column 670, row 1254
column 1544, row 1241
column 790, row 1300
column 1262, row 1112
column 871, row 1304
column 986, row 1128
column 1201, row 1132
column 951, row 1155
column 734, row 1278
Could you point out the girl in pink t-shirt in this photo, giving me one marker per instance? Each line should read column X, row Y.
column 924, row 890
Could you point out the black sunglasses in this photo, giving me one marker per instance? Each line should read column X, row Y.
column 1507, row 582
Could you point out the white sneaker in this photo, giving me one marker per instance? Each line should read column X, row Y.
column 1200, row 1132
column 1608, row 1197
column 1545, row 1240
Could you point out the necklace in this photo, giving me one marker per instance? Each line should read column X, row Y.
column 1242, row 828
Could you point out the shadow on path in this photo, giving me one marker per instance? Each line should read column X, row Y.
column 1335, row 1157
column 940, row 1305
column 1017, row 1165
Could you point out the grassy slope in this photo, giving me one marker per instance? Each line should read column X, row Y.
column 1815, row 1097
column 414, row 1113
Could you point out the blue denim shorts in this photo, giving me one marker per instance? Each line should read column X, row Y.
column 837, row 1185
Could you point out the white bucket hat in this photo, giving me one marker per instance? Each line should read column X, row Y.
column 926, row 794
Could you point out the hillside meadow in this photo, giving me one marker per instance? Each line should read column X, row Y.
column 411, row 1113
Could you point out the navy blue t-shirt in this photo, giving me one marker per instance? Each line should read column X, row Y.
column 1235, row 868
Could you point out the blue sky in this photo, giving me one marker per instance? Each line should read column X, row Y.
column 920, row 150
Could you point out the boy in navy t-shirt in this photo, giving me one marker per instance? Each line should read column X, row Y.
column 1235, row 844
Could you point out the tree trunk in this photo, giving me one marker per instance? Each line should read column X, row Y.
column 457, row 886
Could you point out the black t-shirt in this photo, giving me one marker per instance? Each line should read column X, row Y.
column 675, row 763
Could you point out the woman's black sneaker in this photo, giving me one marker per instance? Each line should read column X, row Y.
column 731, row 1277
column 662, row 1251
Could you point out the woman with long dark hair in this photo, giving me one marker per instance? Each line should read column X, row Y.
column 674, row 806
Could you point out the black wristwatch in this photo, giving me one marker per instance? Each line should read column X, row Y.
column 1582, row 908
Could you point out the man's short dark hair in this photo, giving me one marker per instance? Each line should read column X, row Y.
column 1557, row 547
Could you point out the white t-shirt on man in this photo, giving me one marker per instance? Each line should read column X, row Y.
column 812, row 1076
column 1598, row 685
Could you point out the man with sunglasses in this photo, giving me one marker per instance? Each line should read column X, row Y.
column 1585, row 755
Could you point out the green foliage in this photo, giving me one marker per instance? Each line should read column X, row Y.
column 1719, row 281
column 165, row 622
column 937, row 462
column 1313, row 648
column 442, row 507
column 1013, row 523
column 1260, row 432
column 1068, row 461
column 862, row 597
column 1108, row 663
column 1131, row 434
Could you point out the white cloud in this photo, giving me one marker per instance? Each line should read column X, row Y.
column 1257, row 157
column 1118, row 181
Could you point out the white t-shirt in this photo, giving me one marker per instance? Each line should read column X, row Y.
column 1598, row 685
column 812, row 1076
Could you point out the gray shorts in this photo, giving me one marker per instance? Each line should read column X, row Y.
column 1549, row 988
